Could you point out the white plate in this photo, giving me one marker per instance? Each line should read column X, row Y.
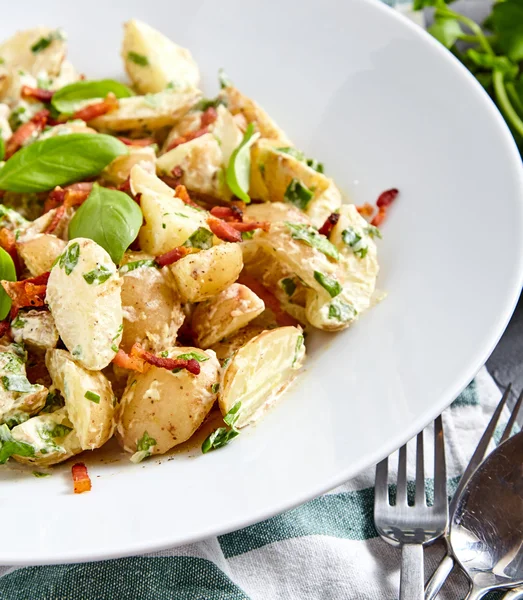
column 382, row 105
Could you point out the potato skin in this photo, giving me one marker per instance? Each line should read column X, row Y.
column 204, row 274
column 168, row 406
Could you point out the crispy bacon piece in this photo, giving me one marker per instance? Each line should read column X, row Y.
column 90, row 112
column 27, row 292
column 54, row 199
column 191, row 365
column 329, row 224
column 182, row 139
column 55, row 221
column 251, row 225
column 379, row 217
column 133, row 363
column 8, row 241
column 227, row 213
column 36, row 93
column 5, row 325
column 387, row 197
column 26, row 131
column 126, row 187
column 366, row 211
column 73, row 195
column 142, row 142
column 81, row 479
column 208, row 117
column 269, row 299
column 180, row 191
column 172, row 182
column 173, row 256
column 225, row 231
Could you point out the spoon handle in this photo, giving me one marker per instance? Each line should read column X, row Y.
column 439, row 577
column 515, row 594
column 476, row 593
column 411, row 581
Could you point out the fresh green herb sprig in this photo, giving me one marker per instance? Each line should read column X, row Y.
column 223, row 435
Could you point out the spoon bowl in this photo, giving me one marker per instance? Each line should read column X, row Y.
column 486, row 532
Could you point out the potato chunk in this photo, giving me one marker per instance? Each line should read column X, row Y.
column 87, row 309
column 89, row 398
column 161, row 409
column 36, row 329
column 40, row 252
column 224, row 314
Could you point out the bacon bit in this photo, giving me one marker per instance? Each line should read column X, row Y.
column 92, row 111
column 73, row 195
column 187, row 138
column 55, row 221
column 172, row 182
column 283, row 319
column 386, row 198
column 26, row 131
column 173, row 255
column 37, row 93
column 180, row 191
column 208, row 117
column 54, row 199
column 227, row 213
column 81, row 479
column 329, row 224
column 225, row 231
column 142, row 142
column 5, row 326
column 133, row 363
column 379, row 217
column 126, row 186
column 191, row 365
column 177, row 172
column 27, row 292
column 366, row 211
column 251, row 226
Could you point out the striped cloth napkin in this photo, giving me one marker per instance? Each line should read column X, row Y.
column 325, row 549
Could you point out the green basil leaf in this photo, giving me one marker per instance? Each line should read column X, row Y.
column 98, row 275
column 58, row 161
column 239, row 168
column 7, row 273
column 298, row 193
column 288, row 285
column 110, row 218
column 2, row 147
column 202, row 238
column 332, row 286
column 138, row 59
column 446, row 30
column 9, row 446
column 69, row 259
column 137, row 264
column 233, row 415
column 341, row 311
column 18, row 383
column 66, row 99
column 92, row 397
column 507, row 20
column 219, row 438
column 311, row 236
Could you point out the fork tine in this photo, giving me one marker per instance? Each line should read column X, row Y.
column 481, row 450
column 440, row 467
column 381, row 491
column 401, row 487
column 419, row 498
column 512, row 420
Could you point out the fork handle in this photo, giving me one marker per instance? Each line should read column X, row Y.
column 439, row 577
column 412, row 576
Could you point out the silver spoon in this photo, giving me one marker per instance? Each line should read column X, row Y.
column 486, row 532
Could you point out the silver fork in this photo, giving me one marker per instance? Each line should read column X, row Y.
column 413, row 527
column 447, row 564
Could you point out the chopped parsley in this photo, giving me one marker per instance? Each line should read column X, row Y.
column 233, row 415
column 248, row 235
column 314, row 164
column 215, row 388
column 329, row 284
column 69, row 259
column 312, row 237
column 138, row 59
column 341, row 311
column 373, row 232
column 92, row 397
column 53, row 402
column 298, row 194
column 18, row 322
column 45, row 42
column 97, row 276
column 58, row 431
column 222, row 436
column 137, row 264
column 354, row 240
column 201, row 239
column 143, row 448
column 9, row 446
column 288, row 285
column 41, row 474
column 206, row 103
column 190, row 356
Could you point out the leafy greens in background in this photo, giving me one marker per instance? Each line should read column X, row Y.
column 493, row 52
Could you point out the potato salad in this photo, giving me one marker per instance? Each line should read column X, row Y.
column 163, row 254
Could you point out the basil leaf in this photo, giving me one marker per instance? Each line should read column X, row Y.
column 311, row 236
column 137, row 264
column 219, row 438
column 69, row 259
column 233, row 415
column 341, row 311
column 98, row 275
column 138, row 59
column 92, row 397
column 7, row 273
column 18, row 383
column 2, row 147
column 66, row 99
column 108, row 217
column 288, row 285
column 332, row 286
column 507, row 20
column 239, row 168
column 9, row 446
column 58, row 161
column 202, row 238
column 298, row 194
